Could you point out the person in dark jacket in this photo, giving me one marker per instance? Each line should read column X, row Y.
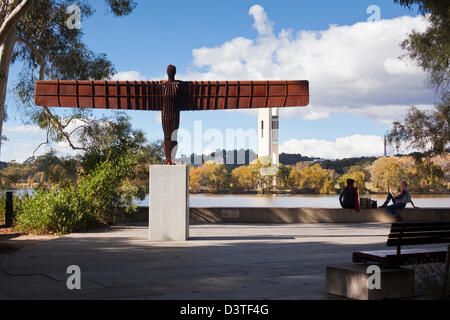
column 349, row 198
column 399, row 200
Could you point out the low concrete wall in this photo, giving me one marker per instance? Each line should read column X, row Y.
column 303, row 215
column 312, row 215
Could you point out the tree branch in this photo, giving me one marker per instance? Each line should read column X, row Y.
column 39, row 146
column 38, row 56
column 59, row 126
column 13, row 18
column 61, row 130
column 73, row 131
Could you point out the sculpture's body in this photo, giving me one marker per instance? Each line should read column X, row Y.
column 171, row 97
column 170, row 114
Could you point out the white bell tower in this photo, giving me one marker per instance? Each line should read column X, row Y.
column 268, row 134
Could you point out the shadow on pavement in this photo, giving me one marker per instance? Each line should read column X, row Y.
column 120, row 263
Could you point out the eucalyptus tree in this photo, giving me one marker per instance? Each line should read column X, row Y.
column 429, row 131
column 44, row 37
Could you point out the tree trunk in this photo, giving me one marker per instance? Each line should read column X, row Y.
column 6, row 50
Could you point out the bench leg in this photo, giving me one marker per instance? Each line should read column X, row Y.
column 447, row 269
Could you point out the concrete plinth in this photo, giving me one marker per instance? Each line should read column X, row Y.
column 351, row 281
column 169, row 203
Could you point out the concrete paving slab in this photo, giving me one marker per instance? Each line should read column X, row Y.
column 225, row 261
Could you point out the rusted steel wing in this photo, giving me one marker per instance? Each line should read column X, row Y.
column 192, row 96
column 222, row 95
column 134, row 95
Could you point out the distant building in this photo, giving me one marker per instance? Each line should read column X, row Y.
column 268, row 134
column 231, row 158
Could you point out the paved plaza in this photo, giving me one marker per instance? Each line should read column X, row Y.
column 225, row 261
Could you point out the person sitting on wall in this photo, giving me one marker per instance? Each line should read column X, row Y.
column 349, row 196
column 399, row 200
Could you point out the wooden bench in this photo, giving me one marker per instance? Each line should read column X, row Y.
column 408, row 234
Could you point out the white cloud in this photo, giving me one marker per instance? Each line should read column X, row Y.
column 30, row 137
column 22, row 151
column 345, row 147
column 23, row 129
column 315, row 115
column 61, row 148
column 17, row 151
column 353, row 69
column 385, row 114
column 401, row 66
column 129, row 76
column 262, row 22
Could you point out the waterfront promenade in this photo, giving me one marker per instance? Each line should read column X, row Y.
column 221, row 261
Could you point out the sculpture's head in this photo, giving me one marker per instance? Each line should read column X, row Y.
column 171, row 71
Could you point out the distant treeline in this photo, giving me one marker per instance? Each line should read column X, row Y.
column 235, row 158
column 372, row 175
column 209, row 173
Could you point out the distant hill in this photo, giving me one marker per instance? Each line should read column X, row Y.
column 231, row 158
column 341, row 166
column 236, row 158
column 292, row 159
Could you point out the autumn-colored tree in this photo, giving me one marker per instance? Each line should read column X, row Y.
column 313, row 178
column 356, row 173
column 283, row 177
column 294, row 179
column 38, row 177
column 328, row 185
column 195, row 178
column 430, row 175
column 409, row 172
column 386, row 173
column 216, row 176
column 422, row 175
column 301, row 165
column 264, row 174
column 242, row 179
column 10, row 175
column 443, row 161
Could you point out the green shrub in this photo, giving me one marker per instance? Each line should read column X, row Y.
column 78, row 206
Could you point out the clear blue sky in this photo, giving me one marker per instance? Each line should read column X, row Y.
column 159, row 33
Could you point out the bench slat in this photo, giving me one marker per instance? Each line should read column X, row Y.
column 419, row 228
column 407, row 235
column 417, row 241
column 404, row 234
column 389, row 258
column 420, row 224
column 383, row 253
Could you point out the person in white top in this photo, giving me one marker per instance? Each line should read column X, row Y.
column 399, row 200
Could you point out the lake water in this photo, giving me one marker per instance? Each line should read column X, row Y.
column 296, row 201
column 293, row 201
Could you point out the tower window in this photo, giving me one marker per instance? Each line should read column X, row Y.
column 262, row 129
column 275, row 123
